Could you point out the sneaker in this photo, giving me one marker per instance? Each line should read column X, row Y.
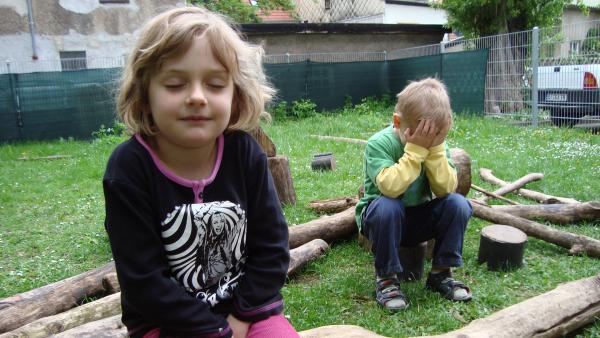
column 448, row 287
column 389, row 295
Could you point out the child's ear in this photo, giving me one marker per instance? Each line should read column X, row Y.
column 397, row 121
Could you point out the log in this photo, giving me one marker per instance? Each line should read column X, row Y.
column 555, row 213
column 486, row 175
column 492, row 194
column 501, row 247
column 332, row 205
column 518, row 184
column 342, row 139
column 110, row 327
column 279, row 167
column 324, row 161
column 47, row 158
column 556, row 313
column 306, row 253
column 462, row 162
column 412, row 258
column 339, row 331
column 23, row 308
column 264, row 141
column 577, row 244
column 89, row 312
column 328, row 228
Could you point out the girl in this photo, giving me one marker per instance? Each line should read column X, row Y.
column 196, row 230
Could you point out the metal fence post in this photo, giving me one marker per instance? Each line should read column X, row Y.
column 15, row 97
column 535, row 48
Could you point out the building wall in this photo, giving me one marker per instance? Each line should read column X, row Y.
column 413, row 14
column 575, row 28
column 101, row 30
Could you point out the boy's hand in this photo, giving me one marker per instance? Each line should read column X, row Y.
column 239, row 328
column 441, row 135
column 423, row 135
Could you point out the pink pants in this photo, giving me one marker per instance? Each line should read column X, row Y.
column 273, row 327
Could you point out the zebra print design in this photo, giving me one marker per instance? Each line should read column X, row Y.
column 206, row 248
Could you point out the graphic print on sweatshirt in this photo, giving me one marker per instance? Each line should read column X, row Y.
column 206, row 248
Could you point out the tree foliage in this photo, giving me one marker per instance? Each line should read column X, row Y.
column 242, row 11
column 475, row 18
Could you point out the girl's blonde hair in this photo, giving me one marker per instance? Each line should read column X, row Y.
column 424, row 99
column 169, row 35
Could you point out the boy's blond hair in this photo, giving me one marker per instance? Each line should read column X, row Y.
column 424, row 99
column 169, row 35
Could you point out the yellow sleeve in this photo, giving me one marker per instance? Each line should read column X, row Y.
column 394, row 180
column 440, row 174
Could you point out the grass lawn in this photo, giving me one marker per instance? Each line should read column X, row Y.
column 51, row 218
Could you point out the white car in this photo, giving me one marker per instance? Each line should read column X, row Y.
column 569, row 92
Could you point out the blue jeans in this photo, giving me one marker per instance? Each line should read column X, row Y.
column 389, row 225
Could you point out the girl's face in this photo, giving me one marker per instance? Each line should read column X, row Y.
column 191, row 97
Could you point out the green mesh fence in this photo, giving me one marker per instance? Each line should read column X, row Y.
column 35, row 106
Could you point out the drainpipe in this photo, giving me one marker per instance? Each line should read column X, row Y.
column 32, row 29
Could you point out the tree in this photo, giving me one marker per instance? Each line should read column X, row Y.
column 243, row 11
column 475, row 18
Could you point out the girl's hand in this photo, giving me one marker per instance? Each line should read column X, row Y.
column 239, row 328
column 423, row 135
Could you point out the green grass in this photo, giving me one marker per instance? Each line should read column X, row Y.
column 51, row 218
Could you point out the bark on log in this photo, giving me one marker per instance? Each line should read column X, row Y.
column 18, row 310
column 328, row 228
column 565, row 309
column 279, row 167
column 89, row 312
column 577, row 244
column 555, row 213
column 339, row 331
column 501, row 247
column 332, row 205
column 518, row 184
column 306, row 253
column 110, row 327
column 325, row 161
column 264, row 141
column 486, row 175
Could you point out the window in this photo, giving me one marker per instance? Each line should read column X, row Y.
column 114, row 1
column 327, row 4
column 73, row 60
column 574, row 47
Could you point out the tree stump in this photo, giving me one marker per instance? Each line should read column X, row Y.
column 502, row 247
column 279, row 167
column 325, row 161
column 412, row 258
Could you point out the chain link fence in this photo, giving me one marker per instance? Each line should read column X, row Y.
column 355, row 11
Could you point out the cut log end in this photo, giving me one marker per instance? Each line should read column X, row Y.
column 501, row 247
column 322, row 162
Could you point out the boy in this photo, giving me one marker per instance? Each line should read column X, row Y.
column 405, row 165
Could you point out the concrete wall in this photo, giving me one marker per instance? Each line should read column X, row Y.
column 101, row 30
column 298, row 43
